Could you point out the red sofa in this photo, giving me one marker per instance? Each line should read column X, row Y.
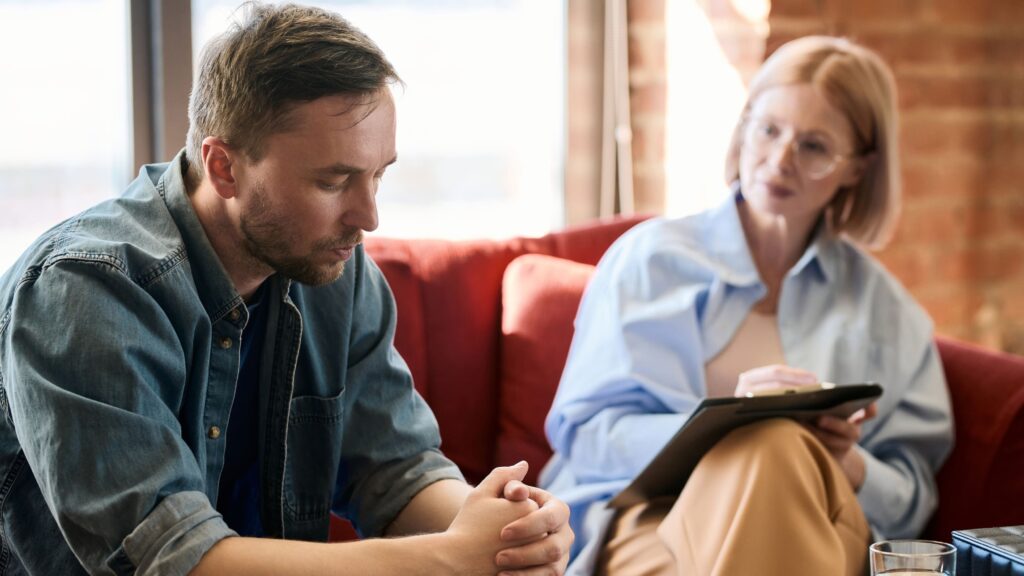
column 485, row 327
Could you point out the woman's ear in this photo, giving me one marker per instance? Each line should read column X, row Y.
column 219, row 163
column 857, row 167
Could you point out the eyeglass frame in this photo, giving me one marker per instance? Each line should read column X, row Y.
column 794, row 144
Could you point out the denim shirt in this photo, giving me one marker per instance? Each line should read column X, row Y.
column 119, row 356
column 669, row 295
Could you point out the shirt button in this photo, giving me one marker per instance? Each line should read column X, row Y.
column 234, row 315
column 226, row 343
column 213, row 432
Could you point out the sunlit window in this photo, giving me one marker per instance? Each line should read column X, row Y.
column 705, row 97
column 480, row 120
column 63, row 113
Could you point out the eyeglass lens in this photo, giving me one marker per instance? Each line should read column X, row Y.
column 814, row 154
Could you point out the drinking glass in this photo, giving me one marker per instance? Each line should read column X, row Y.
column 912, row 558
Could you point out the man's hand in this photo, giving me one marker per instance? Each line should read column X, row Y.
column 544, row 534
column 477, row 534
column 840, row 436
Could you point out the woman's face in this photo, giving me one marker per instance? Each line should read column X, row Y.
column 797, row 151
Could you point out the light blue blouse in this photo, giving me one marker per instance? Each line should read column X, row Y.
column 670, row 294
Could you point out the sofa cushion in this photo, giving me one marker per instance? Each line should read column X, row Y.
column 449, row 316
column 979, row 485
column 982, row 482
column 540, row 295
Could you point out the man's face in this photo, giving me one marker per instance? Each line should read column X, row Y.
column 303, row 207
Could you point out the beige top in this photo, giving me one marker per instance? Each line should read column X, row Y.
column 756, row 343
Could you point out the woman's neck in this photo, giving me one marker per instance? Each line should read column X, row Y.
column 776, row 244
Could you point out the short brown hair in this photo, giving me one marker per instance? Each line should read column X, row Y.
column 857, row 82
column 252, row 75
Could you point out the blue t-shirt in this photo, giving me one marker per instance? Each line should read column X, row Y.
column 239, row 494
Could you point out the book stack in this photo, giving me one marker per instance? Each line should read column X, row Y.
column 990, row 551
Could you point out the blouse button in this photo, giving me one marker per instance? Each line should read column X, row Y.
column 234, row 315
column 213, row 432
column 225, row 343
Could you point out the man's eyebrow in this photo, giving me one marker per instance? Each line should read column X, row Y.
column 341, row 169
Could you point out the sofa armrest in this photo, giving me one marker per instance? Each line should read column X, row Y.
column 981, row 483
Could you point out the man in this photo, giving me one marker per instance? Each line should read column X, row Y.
column 191, row 384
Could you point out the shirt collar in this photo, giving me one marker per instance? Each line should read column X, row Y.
column 727, row 244
column 820, row 257
column 213, row 284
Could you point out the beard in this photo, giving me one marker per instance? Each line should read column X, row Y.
column 271, row 239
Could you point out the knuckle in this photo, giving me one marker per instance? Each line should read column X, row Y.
column 552, row 523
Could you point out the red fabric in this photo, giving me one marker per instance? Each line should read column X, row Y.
column 540, row 295
column 489, row 373
column 449, row 319
column 982, row 483
column 449, row 327
column 448, row 295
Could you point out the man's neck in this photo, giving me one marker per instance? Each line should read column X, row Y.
column 245, row 272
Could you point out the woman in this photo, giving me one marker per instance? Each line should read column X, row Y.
column 769, row 289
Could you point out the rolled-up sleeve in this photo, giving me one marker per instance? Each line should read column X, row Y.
column 903, row 453
column 173, row 538
column 93, row 402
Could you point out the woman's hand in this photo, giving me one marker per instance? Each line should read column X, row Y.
column 773, row 376
column 840, row 436
column 837, row 435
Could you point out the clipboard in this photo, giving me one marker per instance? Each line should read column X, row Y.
column 715, row 417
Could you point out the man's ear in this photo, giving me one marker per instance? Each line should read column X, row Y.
column 219, row 162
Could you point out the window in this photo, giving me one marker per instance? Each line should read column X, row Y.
column 705, row 97
column 63, row 113
column 480, row 120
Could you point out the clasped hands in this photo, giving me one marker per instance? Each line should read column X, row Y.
column 510, row 528
column 838, row 435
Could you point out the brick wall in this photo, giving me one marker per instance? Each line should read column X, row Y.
column 959, row 65
column 647, row 86
column 647, row 91
column 584, row 110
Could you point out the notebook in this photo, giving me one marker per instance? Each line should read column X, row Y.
column 715, row 417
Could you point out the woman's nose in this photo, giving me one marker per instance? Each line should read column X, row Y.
column 782, row 153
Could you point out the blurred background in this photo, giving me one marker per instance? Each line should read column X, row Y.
column 519, row 117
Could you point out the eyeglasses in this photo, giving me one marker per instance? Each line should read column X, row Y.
column 814, row 153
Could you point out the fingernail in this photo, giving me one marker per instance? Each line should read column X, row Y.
column 502, row 560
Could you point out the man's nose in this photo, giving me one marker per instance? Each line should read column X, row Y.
column 360, row 210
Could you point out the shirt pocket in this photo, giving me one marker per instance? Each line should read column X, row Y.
column 314, row 453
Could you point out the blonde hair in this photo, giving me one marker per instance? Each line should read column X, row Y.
column 251, row 77
column 856, row 81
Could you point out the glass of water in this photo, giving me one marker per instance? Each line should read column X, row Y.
column 912, row 558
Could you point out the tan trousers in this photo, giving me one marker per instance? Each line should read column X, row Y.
column 767, row 499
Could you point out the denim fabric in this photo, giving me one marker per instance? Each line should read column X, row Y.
column 669, row 295
column 119, row 354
